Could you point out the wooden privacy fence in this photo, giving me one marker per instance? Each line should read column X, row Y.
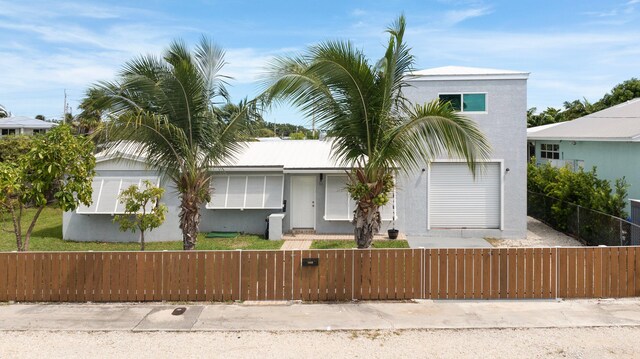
column 340, row 275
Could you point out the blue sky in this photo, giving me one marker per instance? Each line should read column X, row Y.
column 573, row 49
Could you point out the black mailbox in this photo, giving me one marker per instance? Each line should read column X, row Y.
column 309, row 262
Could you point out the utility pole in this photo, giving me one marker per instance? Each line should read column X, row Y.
column 64, row 112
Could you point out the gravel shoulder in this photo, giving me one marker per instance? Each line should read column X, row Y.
column 608, row 342
column 538, row 235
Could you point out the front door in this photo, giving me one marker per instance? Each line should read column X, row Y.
column 303, row 202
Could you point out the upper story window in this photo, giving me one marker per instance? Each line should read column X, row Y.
column 466, row 102
column 549, row 151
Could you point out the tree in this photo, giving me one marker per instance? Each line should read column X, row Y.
column 57, row 170
column 166, row 108
column 548, row 116
column 40, row 117
column 375, row 128
column 297, row 136
column 12, row 147
column 623, row 92
column 143, row 210
column 4, row 112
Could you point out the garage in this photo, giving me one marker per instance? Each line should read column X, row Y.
column 458, row 200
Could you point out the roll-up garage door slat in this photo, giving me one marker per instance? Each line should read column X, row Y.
column 457, row 200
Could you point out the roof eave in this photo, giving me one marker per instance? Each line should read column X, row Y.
column 586, row 139
column 516, row 76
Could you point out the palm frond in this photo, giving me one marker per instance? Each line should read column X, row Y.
column 432, row 130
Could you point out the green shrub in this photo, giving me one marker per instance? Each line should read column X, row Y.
column 12, row 147
column 572, row 188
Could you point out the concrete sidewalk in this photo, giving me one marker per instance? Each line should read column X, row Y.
column 304, row 317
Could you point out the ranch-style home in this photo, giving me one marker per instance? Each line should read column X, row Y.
column 21, row 125
column 299, row 186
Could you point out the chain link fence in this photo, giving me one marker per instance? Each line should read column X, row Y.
column 590, row 227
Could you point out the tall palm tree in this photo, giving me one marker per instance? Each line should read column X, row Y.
column 167, row 108
column 375, row 128
column 4, row 112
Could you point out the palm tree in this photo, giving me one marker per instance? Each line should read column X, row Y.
column 375, row 128
column 166, row 108
column 4, row 112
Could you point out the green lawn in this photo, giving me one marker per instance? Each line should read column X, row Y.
column 338, row 244
column 47, row 236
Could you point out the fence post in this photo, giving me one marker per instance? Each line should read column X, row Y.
column 353, row 275
column 239, row 274
column 423, row 272
column 557, row 270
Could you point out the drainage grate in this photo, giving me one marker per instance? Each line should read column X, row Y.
column 179, row 311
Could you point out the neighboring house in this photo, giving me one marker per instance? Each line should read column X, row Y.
column 21, row 125
column 301, row 179
column 608, row 140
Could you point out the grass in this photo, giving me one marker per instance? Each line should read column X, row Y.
column 47, row 236
column 340, row 244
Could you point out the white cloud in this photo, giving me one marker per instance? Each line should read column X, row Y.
column 457, row 16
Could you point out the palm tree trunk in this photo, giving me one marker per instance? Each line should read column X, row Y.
column 367, row 223
column 189, row 220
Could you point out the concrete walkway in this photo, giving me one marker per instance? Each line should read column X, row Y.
column 305, row 317
column 296, row 244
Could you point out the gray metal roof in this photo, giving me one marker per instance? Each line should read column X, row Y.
column 284, row 155
column 617, row 123
column 24, row 122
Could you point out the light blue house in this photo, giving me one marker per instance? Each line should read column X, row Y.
column 298, row 184
column 608, row 140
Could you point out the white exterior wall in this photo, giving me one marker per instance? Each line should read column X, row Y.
column 100, row 227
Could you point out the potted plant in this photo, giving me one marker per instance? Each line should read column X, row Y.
column 393, row 232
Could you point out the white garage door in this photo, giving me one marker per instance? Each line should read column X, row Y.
column 457, row 200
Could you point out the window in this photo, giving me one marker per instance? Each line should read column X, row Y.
column 106, row 193
column 38, row 131
column 338, row 205
column 246, row 192
column 549, row 151
column 8, row 131
column 468, row 102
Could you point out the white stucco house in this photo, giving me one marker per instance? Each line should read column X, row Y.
column 21, row 125
column 299, row 184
